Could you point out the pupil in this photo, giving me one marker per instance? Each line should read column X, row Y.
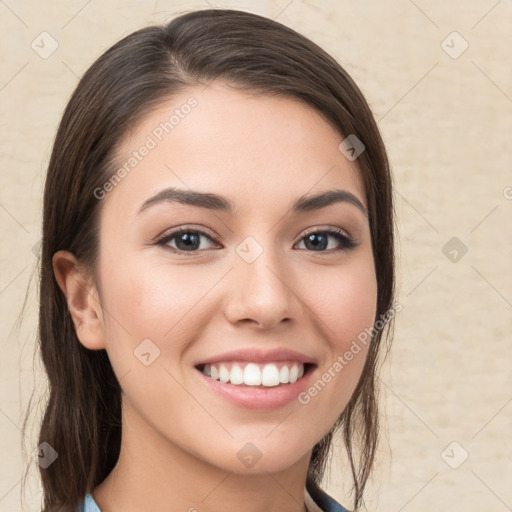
column 322, row 244
column 187, row 241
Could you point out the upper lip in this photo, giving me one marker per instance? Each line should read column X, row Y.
column 259, row 356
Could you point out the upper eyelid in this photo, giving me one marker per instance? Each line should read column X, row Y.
column 174, row 232
column 321, row 229
column 206, row 231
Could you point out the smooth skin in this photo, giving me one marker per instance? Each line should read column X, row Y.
column 180, row 440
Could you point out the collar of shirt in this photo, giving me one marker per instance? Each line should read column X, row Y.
column 327, row 503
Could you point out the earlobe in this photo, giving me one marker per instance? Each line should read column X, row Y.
column 82, row 299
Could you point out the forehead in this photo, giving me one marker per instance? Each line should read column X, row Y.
column 253, row 148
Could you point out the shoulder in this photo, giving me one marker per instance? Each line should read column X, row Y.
column 322, row 500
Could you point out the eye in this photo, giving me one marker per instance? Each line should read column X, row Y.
column 190, row 240
column 318, row 241
column 187, row 240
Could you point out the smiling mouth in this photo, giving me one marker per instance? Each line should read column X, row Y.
column 249, row 374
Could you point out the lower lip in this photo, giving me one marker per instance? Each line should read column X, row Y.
column 258, row 397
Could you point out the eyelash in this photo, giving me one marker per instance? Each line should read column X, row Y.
column 345, row 241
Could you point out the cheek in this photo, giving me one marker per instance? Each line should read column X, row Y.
column 160, row 302
column 345, row 301
column 345, row 307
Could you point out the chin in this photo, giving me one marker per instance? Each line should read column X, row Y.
column 260, row 457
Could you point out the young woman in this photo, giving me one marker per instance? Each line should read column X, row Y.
column 217, row 274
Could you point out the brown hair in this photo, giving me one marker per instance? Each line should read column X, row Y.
column 82, row 420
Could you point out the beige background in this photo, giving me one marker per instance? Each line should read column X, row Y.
column 447, row 123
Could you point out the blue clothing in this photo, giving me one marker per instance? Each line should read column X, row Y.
column 320, row 500
column 89, row 505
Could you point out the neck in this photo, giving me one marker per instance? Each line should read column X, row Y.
column 154, row 474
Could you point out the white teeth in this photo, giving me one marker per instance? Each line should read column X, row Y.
column 237, row 375
column 223, row 374
column 270, row 375
column 252, row 374
column 294, row 373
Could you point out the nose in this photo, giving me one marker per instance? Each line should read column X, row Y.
column 261, row 293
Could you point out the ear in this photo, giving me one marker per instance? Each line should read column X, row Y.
column 82, row 298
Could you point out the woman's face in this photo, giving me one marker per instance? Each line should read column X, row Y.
column 257, row 289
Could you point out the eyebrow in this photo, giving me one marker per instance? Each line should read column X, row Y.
column 220, row 203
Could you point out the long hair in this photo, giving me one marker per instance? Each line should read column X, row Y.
column 82, row 418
